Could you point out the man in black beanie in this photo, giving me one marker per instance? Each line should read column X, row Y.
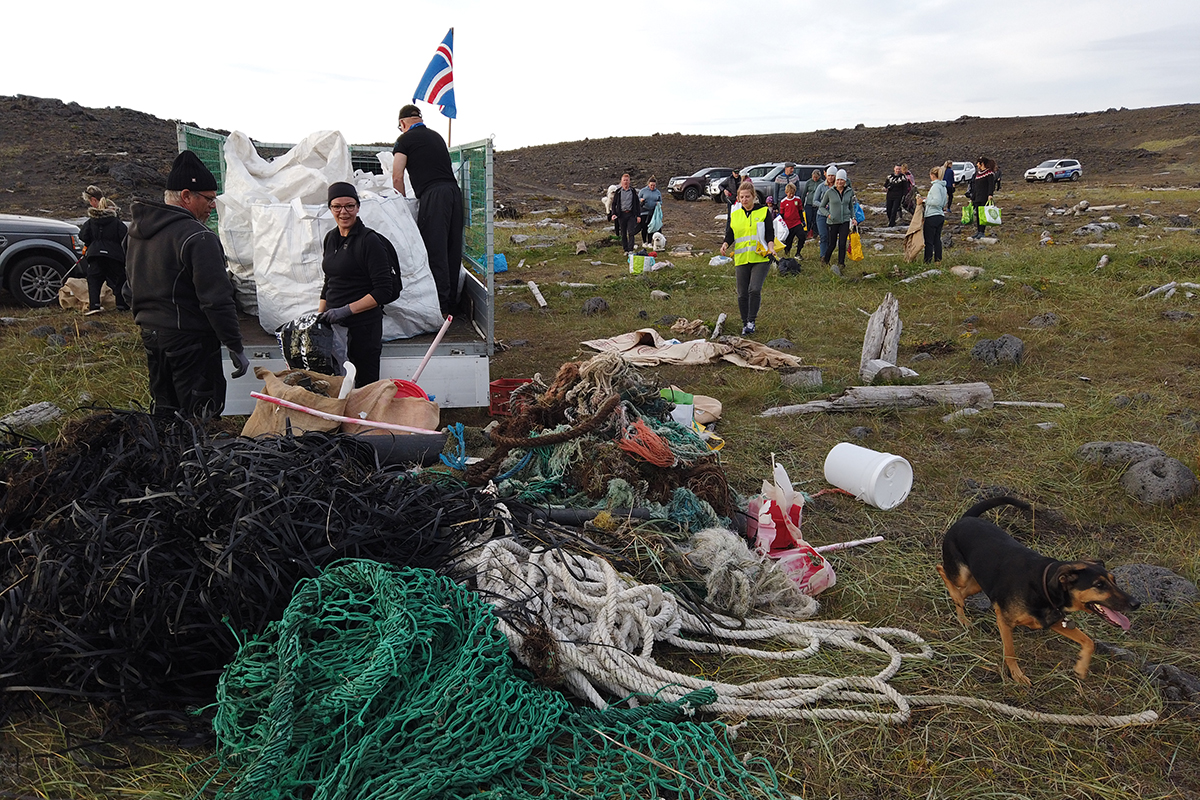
column 181, row 295
column 423, row 153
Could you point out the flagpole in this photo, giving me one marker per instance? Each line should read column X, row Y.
column 449, row 129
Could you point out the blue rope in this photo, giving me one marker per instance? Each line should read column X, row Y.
column 459, row 461
column 520, row 466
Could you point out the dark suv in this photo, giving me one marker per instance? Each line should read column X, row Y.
column 692, row 187
column 35, row 256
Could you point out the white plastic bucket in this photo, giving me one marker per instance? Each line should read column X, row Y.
column 879, row 479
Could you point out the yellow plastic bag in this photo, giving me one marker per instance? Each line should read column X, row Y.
column 855, row 247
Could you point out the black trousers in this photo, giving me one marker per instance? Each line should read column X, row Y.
column 101, row 270
column 750, row 279
column 841, row 234
column 894, row 202
column 933, row 237
column 187, row 374
column 440, row 220
column 364, row 345
column 797, row 235
column 627, row 223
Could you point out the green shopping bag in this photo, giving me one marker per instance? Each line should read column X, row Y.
column 989, row 214
column 968, row 214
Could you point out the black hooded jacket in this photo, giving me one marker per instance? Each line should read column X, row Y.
column 176, row 272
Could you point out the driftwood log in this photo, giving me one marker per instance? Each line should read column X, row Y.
column 882, row 340
column 31, row 416
column 859, row 398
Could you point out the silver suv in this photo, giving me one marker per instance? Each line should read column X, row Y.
column 35, row 256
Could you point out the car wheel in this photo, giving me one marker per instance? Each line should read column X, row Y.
column 691, row 194
column 1074, row 176
column 35, row 280
column 1049, row 177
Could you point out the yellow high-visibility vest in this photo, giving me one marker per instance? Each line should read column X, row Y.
column 747, row 246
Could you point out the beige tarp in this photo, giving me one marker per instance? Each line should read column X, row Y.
column 646, row 348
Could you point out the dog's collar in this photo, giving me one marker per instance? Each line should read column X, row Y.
column 1045, row 585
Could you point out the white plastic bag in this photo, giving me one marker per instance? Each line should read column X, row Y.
column 781, row 229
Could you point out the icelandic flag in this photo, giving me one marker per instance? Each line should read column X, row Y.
column 437, row 84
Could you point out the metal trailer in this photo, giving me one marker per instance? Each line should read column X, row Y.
column 458, row 373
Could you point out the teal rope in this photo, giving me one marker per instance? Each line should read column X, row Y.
column 459, row 461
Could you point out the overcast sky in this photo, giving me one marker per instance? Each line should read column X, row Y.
column 531, row 72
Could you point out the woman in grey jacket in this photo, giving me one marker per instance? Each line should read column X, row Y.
column 838, row 204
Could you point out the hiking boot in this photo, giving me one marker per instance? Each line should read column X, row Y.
column 748, row 329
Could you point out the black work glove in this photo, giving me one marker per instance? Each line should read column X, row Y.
column 240, row 363
column 335, row 316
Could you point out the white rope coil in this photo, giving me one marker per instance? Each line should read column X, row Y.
column 605, row 624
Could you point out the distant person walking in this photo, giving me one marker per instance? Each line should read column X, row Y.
column 651, row 198
column 983, row 186
column 423, row 152
column 935, row 214
column 838, row 203
column 627, row 213
column 103, row 235
column 822, row 214
column 181, row 296
column 909, row 203
column 789, row 177
column 792, row 210
column 805, row 193
column 948, row 178
column 729, row 189
column 896, row 186
column 750, row 229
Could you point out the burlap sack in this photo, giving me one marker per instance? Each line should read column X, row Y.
column 378, row 402
column 73, row 295
column 271, row 419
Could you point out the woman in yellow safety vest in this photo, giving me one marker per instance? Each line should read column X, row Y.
column 751, row 231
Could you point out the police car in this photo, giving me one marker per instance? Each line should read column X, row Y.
column 1056, row 169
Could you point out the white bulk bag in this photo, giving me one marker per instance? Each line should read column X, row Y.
column 303, row 173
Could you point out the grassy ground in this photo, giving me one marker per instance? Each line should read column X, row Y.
column 1108, row 343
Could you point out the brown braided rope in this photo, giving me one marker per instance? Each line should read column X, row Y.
column 482, row 472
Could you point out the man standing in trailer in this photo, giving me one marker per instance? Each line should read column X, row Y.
column 424, row 154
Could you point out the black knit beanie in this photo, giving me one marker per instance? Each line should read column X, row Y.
column 341, row 189
column 189, row 172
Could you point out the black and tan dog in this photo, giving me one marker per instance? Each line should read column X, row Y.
column 1025, row 587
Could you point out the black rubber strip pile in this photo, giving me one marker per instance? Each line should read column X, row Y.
column 135, row 553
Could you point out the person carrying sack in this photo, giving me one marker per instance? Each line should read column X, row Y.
column 103, row 235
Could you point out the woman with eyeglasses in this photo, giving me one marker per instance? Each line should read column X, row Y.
column 359, row 281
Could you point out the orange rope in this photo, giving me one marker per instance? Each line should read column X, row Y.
column 644, row 443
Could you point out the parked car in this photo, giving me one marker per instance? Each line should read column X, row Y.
column 963, row 171
column 1056, row 169
column 763, row 175
column 692, row 187
column 35, row 256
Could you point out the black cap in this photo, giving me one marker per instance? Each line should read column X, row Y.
column 409, row 110
column 341, row 189
column 189, row 172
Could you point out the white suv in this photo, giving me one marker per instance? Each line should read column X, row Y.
column 963, row 171
column 1056, row 169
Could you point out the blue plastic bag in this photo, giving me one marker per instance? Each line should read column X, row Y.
column 655, row 223
column 499, row 263
column 859, row 216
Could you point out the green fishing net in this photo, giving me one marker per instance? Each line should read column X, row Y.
column 386, row 682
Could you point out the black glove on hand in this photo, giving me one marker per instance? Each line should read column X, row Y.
column 240, row 363
column 335, row 316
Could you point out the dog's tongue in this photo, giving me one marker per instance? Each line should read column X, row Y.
column 1114, row 617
